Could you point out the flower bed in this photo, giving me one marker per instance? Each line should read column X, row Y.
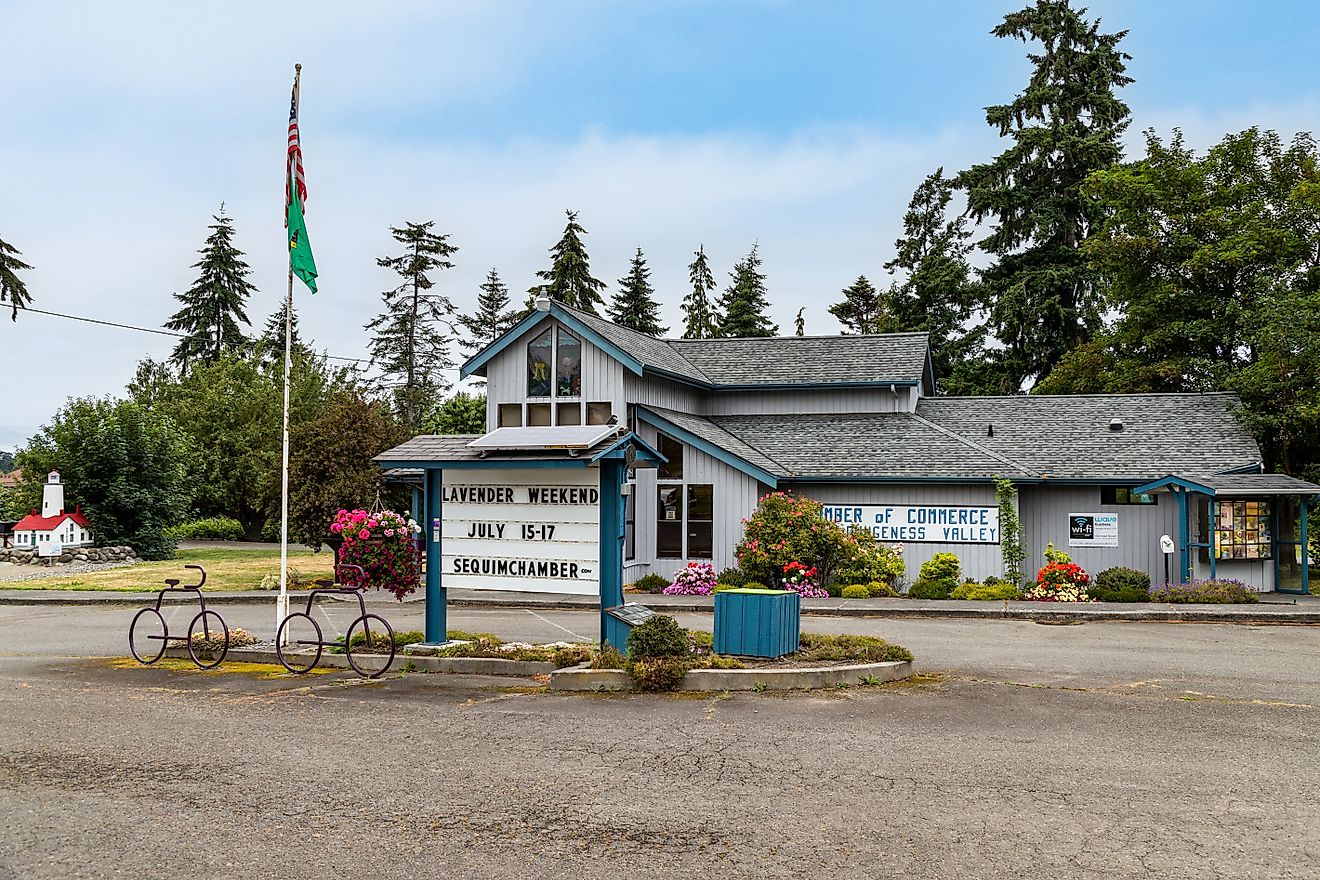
column 1220, row 591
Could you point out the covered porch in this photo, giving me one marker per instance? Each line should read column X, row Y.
column 1249, row 527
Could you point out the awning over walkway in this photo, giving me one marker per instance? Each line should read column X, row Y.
column 1231, row 485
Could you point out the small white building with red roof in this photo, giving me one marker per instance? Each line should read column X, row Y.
column 55, row 529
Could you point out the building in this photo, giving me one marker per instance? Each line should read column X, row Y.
column 11, row 480
column 54, row 530
column 854, row 422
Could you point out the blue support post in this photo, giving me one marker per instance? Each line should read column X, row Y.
column 1210, row 530
column 612, row 471
column 437, row 630
column 1182, row 535
column 1306, row 549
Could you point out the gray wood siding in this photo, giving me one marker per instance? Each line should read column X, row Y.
column 1044, row 513
column 736, row 495
column 978, row 560
column 844, row 400
column 506, row 379
column 661, row 392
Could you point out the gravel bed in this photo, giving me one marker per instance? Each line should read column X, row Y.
column 11, row 572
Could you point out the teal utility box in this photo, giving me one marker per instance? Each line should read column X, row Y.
column 757, row 623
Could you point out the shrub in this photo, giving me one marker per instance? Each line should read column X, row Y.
column 720, row 587
column 650, row 583
column 941, row 566
column 659, row 673
column 661, row 636
column 734, row 577
column 406, row 637
column 870, row 560
column 932, row 589
column 1060, row 580
column 609, row 658
column 878, row 590
column 802, row 580
column 213, row 528
column 698, row 579
column 986, row 592
column 1120, row 584
column 1220, row 591
column 847, row 577
column 846, row 648
column 785, row 529
column 856, row 591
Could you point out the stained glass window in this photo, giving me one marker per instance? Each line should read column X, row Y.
column 568, row 365
column 1243, row 530
column 540, row 355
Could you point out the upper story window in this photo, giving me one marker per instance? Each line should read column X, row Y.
column 554, row 365
column 1124, row 495
column 672, row 450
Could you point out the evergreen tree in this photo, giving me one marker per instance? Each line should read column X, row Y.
column 492, row 316
column 1064, row 126
column 634, row 304
column 700, row 321
column 216, row 305
column 270, row 345
column 408, row 344
column 800, row 323
column 860, row 310
column 568, row 280
column 12, row 288
column 936, row 294
column 744, row 303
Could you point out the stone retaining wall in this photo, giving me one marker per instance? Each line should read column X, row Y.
column 23, row 556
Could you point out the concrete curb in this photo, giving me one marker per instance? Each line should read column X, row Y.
column 582, row 678
column 420, row 662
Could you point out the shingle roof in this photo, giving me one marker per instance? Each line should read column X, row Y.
column 713, row 433
column 1265, row 483
column 773, row 360
column 1069, row 436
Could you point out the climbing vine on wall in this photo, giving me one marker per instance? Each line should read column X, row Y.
column 1010, row 530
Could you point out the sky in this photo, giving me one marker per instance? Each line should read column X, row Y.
column 800, row 126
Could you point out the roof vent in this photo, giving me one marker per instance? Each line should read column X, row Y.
column 1116, row 425
column 989, row 430
column 542, row 303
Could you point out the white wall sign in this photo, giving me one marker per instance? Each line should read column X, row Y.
column 938, row 524
column 1092, row 530
column 529, row 529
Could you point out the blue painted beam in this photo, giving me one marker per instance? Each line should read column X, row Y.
column 437, row 629
column 612, row 474
column 1183, row 530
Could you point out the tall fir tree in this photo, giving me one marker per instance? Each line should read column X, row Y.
column 861, row 310
column 700, row 320
column 634, row 305
column 409, row 344
column 491, row 317
column 569, row 279
column 744, row 304
column 800, row 323
column 270, row 345
column 12, row 288
column 935, row 293
column 1065, row 125
column 215, row 307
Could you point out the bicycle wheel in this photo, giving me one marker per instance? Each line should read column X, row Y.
column 141, row 634
column 382, row 638
column 301, row 632
column 211, row 626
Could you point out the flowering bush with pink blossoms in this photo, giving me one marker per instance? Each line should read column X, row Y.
column 698, row 579
column 384, row 545
column 803, row 580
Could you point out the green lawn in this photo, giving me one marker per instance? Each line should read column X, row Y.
column 226, row 569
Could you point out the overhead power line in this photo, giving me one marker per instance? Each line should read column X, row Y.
column 155, row 330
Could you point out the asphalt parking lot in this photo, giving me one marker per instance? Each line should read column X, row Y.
column 1102, row 750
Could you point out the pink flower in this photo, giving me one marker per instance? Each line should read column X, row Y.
column 364, row 534
column 336, row 528
column 389, row 533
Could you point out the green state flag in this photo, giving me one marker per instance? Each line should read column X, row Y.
column 301, row 260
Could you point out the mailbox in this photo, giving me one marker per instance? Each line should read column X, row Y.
column 620, row 620
column 757, row 623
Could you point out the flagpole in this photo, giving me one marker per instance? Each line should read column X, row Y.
column 282, row 604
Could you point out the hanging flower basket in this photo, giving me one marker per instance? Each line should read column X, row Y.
column 384, row 544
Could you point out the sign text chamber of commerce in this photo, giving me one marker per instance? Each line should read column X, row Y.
column 521, row 529
column 944, row 524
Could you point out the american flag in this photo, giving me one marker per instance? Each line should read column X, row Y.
column 295, row 166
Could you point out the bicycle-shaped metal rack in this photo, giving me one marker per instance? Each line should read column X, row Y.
column 149, row 626
column 300, row 630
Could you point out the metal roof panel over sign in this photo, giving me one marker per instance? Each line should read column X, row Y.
column 547, row 437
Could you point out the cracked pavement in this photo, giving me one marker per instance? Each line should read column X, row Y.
column 1105, row 751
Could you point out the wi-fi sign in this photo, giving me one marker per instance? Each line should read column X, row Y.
column 1081, row 527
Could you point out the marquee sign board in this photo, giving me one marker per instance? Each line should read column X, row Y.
column 1092, row 530
column 521, row 529
column 920, row 524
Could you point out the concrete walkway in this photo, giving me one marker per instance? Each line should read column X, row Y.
column 1273, row 607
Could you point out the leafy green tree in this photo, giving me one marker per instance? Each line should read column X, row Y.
column 461, row 414
column 700, row 320
column 215, row 307
column 634, row 305
column 6, row 461
column 408, row 342
column 569, row 279
column 124, row 465
column 935, row 293
column 492, row 316
column 152, row 382
column 1065, row 125
column 330, row 464
column 12, row 288
column 861, row 310
column 744, row 304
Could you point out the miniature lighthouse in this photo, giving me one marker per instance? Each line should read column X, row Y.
column 52, row 495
